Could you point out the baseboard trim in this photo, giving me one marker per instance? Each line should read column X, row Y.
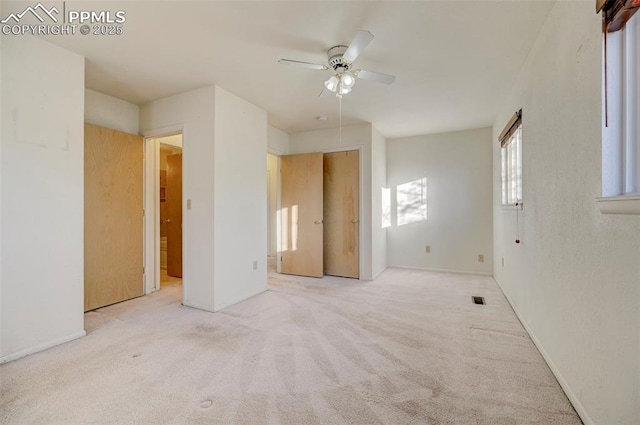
column 41, row 347
column 580, row 410
column 237, row 300
column 379, row 273
column 202, row 307
column 430, row 269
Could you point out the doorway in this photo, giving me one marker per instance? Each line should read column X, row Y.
column 170, row 207
column 156, row 249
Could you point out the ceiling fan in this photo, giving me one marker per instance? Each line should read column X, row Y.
column 340, row 59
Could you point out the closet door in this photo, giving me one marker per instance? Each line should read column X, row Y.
column 113, row 216
column 341, row 214
column 301, row 214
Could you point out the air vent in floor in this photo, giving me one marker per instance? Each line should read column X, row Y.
column 478, row 300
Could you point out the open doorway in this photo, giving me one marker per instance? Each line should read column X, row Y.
column 164, row 209
column 170, row 207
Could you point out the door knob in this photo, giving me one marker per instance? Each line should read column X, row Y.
column 355, row 220
column 167, row 221
column 318, row 222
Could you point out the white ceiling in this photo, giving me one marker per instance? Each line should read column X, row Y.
column 454, row 61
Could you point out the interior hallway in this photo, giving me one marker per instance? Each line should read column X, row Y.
column 166, row 280
column 409, row 348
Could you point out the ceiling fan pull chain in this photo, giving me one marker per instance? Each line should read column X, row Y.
column 340, row 119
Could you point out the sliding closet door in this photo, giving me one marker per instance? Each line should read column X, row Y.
column 301, row 213
column 113, row 216
column 341, row 214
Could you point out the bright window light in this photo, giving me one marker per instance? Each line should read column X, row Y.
column 386, row 207
column 412, row 201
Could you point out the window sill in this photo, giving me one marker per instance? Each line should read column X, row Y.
column 625, row 204
column 513, row 207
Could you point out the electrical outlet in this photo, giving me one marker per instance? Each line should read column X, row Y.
column 480, row 258
column 502, row 261
column 255, row 264
column 427, row 249
column 188, row 204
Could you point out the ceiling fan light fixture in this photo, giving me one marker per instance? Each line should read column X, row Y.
column 344, row 90
column 332, row 83
column 347, row 80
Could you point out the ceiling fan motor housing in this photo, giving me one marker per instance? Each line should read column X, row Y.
column 334, row 56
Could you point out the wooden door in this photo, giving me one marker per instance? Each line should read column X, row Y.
column 301, row 213
column 113, row 216
column 341, row 214
column 174, row 215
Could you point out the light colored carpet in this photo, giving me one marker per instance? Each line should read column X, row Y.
column 409, row 348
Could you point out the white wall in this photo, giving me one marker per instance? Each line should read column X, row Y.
column 1, row 139
column 240, row 199
column 42, row 196
column 575, row 278
column 278, row 141
column 194, row 113
column 458, row 227
column 224, row 176
column 110, row 112
column 378, row 181
column 353, row 137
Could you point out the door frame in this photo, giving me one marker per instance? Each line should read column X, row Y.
column 152, row 207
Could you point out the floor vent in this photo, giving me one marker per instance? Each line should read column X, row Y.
column 478, row 300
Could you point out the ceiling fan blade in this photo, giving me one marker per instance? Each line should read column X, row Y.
column 325, row 93
column 360, row 41
column 303, row 64
column 375, row 76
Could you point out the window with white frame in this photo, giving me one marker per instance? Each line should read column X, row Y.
column 511, row 158
column 621, row 135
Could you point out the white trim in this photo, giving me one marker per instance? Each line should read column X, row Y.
column 151, row 225
column 219, row 307
column 580, row 410
column 430, row 269
column 379, row 273
column 202, row 307
column 627, row 204
column 276, row 152
column 164, row 131
column 41, row 347
column 512, row 207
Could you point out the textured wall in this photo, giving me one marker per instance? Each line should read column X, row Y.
column 575, row 278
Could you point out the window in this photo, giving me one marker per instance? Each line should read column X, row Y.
column 621, row 135
column 511, row 154
column 621, row 101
